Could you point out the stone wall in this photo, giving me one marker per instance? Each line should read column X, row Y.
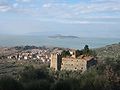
column 81, row 63
column 73, row 64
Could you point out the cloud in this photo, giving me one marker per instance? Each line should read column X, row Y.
column 98, row 1
column 110, row 21
column 82, row 10
column 24, row 0
column 4, row 8
column 61, row 9
column 97, row 8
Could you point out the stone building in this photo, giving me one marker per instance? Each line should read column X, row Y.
column 56, row 59
column 81, row 63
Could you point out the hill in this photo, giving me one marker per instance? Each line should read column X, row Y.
column 111, row 51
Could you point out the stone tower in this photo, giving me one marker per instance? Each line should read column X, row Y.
column 56, row 60
column 74, row 54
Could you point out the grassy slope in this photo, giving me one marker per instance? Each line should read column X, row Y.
column 111, row 51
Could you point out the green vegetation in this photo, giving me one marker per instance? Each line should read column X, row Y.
column 86, row 51
column 104, row 76
column 65, row 53
column 25, row 47
column 111, row 51
column 8, row 83
column 79, row 52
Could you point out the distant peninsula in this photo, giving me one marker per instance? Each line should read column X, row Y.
column 63, row 36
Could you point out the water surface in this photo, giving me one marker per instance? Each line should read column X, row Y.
column 77, row 43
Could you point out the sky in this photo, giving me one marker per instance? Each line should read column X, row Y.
column 84, row 18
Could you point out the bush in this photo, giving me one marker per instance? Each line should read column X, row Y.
column 61, row 85
column 70, row 84
column 33, row 74
column 8, row 83
column 65, row 53
column 37, row 85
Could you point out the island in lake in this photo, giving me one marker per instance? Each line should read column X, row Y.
column 62, row 36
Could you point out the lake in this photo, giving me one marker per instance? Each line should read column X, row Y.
column 77, row 43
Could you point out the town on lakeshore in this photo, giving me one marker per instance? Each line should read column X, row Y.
column 55, row 68
column 55, row 57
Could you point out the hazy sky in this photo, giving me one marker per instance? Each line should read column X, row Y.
column 88, row 18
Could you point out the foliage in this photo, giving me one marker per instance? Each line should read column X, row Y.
column 63, row 75
column 65, row 53
column 79, row 52
column 8, row 83
column 37, row 85
column 70, row 84
column 111, row 51
column 88, row 52
column 105, row 76
column 25, row 47
column 30, row 74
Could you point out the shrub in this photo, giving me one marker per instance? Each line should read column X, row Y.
column 37, row 85
column 8, row 83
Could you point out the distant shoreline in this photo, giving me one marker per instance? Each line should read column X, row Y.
column 63, row 36
column 37, row 47
column 77, row 43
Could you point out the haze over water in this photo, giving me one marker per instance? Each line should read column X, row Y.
column 77, row 43
column 25, row 22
